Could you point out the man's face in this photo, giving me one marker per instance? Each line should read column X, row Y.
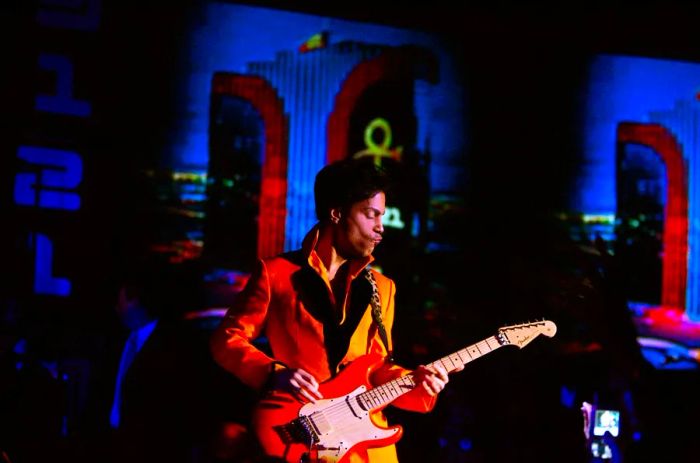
column 130, row 311
column 360, row 229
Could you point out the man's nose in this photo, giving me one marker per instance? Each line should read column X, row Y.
column 379, row 226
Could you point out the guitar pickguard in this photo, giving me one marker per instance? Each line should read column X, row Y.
column 329, row 428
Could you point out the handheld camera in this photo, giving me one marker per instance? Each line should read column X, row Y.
column 597, row 422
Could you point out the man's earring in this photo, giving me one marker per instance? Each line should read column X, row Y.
column 334, row 220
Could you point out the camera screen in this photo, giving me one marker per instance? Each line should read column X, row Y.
column 606, row 420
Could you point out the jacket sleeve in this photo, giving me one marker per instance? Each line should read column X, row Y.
column 418, row 400
column 231, row 342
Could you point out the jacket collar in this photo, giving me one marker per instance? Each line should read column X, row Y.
column 320, row 233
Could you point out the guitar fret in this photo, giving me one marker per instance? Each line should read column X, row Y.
column 382, row 393
column 390, row 385
column 407, row 381
column 385, row 393
column 378, row 395
column 393, row 389
column 463, row 355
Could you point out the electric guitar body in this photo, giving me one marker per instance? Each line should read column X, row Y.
column 332, row 429
column 344, row 424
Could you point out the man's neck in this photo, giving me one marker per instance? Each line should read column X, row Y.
column 328, row 253
column 335, row 264
column 333, row 261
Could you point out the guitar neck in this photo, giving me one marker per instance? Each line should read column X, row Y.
column 388, row 392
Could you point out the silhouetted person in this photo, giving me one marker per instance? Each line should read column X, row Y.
column 157, row 409
column 33, row 404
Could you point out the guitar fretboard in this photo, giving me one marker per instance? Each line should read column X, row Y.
column 392, row 390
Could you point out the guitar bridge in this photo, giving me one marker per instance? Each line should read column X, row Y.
column 301, row 430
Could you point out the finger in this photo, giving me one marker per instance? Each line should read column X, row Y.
column 438, row 384
column 433, row 384
column 295, row 385
column 310, row 383
column 308, row 379
column 438, row 372
column 441, row 379
column 430, row 388
column 303, row 381
column 311, row 390
column 299, row 390
column 317, row 393
column 424, row 371
column 441, row 373
column 305, row 393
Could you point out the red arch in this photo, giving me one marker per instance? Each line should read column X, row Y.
column 273, row 187
column 675, row 239
column 393, row 64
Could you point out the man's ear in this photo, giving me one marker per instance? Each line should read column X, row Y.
column 335, row 215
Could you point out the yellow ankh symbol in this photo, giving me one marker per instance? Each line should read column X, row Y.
column 379, row 151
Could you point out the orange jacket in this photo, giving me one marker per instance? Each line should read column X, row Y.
column 286, row 297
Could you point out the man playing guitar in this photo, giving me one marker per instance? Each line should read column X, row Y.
column 321, row 308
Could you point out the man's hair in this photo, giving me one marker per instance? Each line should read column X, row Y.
column 343, row 183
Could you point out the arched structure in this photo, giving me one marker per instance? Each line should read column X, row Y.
column 273, row 186
column 675, row 234
column 406, row 63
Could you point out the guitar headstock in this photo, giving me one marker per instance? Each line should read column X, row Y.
column 521, row 335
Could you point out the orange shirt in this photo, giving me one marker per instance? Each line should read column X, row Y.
column 288, row 297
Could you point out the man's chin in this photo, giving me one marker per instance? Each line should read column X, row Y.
column 363, row 253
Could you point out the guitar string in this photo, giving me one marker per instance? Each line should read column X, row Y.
column 382, row 393
column 376, row 393
column 386, row 393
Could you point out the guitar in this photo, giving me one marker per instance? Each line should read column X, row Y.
column 341, row 423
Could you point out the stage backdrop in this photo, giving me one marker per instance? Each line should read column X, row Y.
column 638, row 191
column 196, row 132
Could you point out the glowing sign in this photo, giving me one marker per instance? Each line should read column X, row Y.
column 44, row 281
column 383, row 150
column 62, row 102
column 598, row 218
column 59, row 171
column 392, row 218
column 50, row 176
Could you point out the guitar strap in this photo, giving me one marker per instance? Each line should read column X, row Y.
column 377, row 313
